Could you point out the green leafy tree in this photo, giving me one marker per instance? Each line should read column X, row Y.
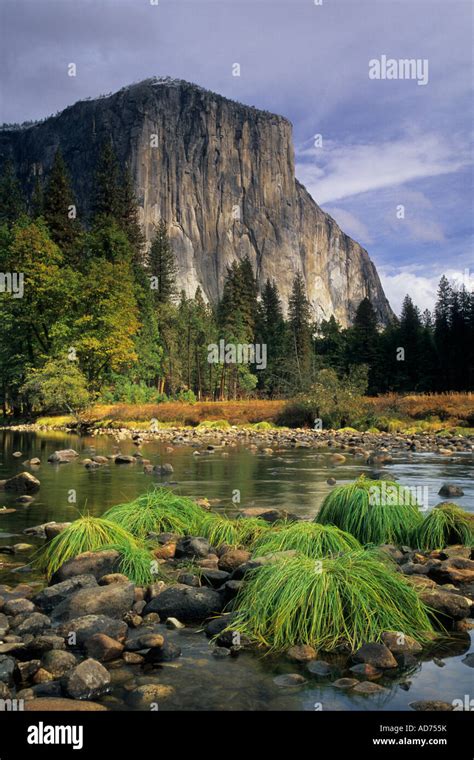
column 12, row 204
column 56, row 387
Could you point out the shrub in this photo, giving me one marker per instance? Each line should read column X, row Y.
column 310, row 539
column 374, row 511
column 219, row 529
column 56, row 387
column 446, row 524
column 351, row 598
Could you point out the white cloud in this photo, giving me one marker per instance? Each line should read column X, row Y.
column 340, row 170
column 422, row 290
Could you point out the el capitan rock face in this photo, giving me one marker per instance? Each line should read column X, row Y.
column 222, row 175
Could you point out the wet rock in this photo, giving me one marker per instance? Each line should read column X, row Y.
column 214, row 578
column 103, row 648
column 174, row 624
column 320, row 668
column 364, row 669
column 86, row 626
column 468, row 660
column 450, row 490
column 12, row 647
column 190, row 547
column 425, row 705
column 124, row 459
column 166, row 653
column 186, row 603
column 61, row 704
column 453, row 570
column 447, row 604
column 399, row 643
column 87, row 680
column 220, row 652
column 133, row 658
column 42, row 676
column 24, row 499
column 7, row 669
column 28, row 669
column 97, row 564
column 113, row 601
column 375, row 654
column 62, row 456
column 163, row 469
column 58, row 662
column 420, row 581
column 233, row 559
column 100, row 459
column 149, row 641
column 45, row 643
column 154, row 589
column 392, row 552
column 289, row 679
column 331, row 481
column 345, row 683
column 24, row 483
column 51, row 596
column 148, row 695
column 368, row 687
column 301, row 653
column 188, row 579
column 17, row 454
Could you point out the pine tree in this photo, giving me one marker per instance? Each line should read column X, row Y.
column 37, row 199
column 299, row 326
column 129, row 221
column 161, row 266
column 271, row 332
column 442, row 332
column 364, row 342
column 59, row 209
column 108, row 189
column 12, row 204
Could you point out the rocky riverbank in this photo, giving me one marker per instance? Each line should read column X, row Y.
column 92, row 632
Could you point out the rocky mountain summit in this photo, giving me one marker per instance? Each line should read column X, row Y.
column 222, row 174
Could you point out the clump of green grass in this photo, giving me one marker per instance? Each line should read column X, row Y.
column 374, row 511
column 351, row 598
column 308, row 538
column 219, row 529
column 158, row 511
column 446, row 524
column 92, row 534
column 213, row 425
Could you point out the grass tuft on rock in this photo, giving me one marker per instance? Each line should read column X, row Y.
column 445, row 525
column 350, row 598
column 374, row 511
column 219, row 529
column 158, row 511
column 89, row 534
column 308, row 538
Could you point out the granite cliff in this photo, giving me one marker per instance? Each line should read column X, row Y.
column 222, row 174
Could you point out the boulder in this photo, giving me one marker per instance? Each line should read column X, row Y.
column 35, row 623
column 320, row 668
column 301, row 653
column 375, row 654
column 86, row 626
column 51, row 530
column 103, row 648
column 186, row 603
column 87, row 680
column 62, row 456
column 233, row 559
column 191, row 547
column 166, row 653
column 58, row 662
column 450, row 490
column 51, row 596
column 7, row 669
column 124, row 459
column 289, row 679
column 113, row 601
column 399, row 643
column 18, row 606
column 97, row 564
column 24, row 483
column 145, row 696
column 453, row 570
column 445, row 603
column 368, row 687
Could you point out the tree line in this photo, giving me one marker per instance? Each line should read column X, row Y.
column 101, row 317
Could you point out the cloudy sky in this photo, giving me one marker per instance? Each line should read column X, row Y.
column 385, row 143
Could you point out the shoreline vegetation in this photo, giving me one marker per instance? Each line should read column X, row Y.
column 436, row 414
